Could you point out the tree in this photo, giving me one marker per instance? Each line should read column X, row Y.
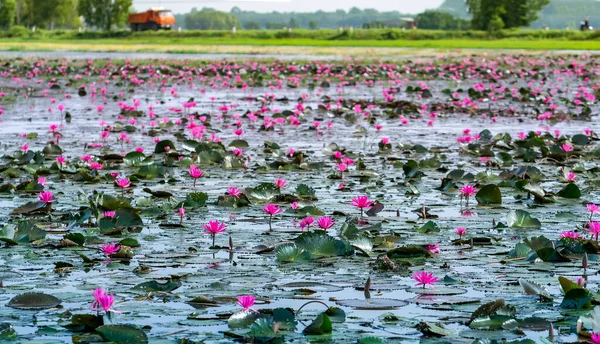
column 436, row 20
column 252, row 25
column 104, row 14
column 8, row 10
column 494, row 15
column 313, row 24
column 209, row 19
column 274, row 25
column 294, row 23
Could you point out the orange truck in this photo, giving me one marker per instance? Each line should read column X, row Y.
column 153, row 19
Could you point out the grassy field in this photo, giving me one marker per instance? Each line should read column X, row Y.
column 256, row 41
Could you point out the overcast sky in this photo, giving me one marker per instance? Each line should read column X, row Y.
column 181, row 6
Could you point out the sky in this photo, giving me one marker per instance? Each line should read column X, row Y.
column 183, row 6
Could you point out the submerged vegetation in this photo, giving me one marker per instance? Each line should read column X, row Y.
column 451, row 199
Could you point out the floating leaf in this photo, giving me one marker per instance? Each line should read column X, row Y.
column 122, row 334
column 570, row 191
column 158, row 286
column 577, row 299
column 33, row 301
column 336, row 314
column 532, row 288
column 289, row 253
column 28, row 232
column 522, row 219
column 433, row 330
column 489, row 194
column 160, row 146
column 32, row 208
column 242, row 319
column 429, row 227
column 320, row 326
column 373, row 304
column 195, row 200
column 320, row 244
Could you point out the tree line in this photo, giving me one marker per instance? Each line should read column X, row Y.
column 488, row 15
column 554, row 14
column 64, row 14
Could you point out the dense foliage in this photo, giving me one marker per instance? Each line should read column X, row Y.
column 494, row 15
column 558, row 14
column 437, row 20
column 48, row 14
column 209, row 19
column 103, row 14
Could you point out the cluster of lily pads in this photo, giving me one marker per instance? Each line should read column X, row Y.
column 363, row 201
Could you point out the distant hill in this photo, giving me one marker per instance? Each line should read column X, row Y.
column 557, row 15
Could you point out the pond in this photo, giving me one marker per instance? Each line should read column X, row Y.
column 450, row 199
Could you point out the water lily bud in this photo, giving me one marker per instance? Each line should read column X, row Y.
column 368, row 288
column 579, row 326
column 584, row 263
column 551, row 331
column 230, row 243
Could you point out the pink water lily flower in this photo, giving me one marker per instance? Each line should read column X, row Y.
column 246, row 302
column 280, row 183
column 233, row 191
column 195, row 173
column 424, row 278
column 361, row 202
column 566, row 148
column 467, row 191
column 342, row 168
column 109, row 249
column 461, row 231
column 271, row 210
column 325, row 222
column 181, row 212
column 594, row 338
column 570, row 235
column 46, row 197
column 306, row 222
column 435, row 249
column 592, row 209
column 123, row 183
column 102, row 301
column 594, row 229
column 213, row 228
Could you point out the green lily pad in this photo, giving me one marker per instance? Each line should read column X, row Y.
column 489, row 194
column 123, row 334
column 577, row 299
column 33, row 301
column 522, row 219
column 160, row 286
column 570, row 191
column 160, row 146
column 289, row 253
column 372, row 304
column 321, row 325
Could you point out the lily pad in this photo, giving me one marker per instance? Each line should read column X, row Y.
column 489, row 194
column 522, row 219
column 123, row 334
column 321, row 325
column 34, row 301
column 373, row 304
column 158, row 286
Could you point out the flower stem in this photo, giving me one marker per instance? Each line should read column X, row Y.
column 213, row 237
